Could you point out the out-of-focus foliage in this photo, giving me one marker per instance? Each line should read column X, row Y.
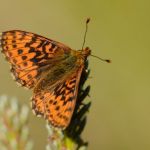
column 14, row 131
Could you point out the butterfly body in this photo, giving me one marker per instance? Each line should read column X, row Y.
column 50, row 68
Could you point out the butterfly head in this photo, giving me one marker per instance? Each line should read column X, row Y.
column 86, row 52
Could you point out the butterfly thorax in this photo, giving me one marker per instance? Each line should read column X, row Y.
column 84, row 53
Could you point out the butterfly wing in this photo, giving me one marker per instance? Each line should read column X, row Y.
column 57, row 104
column 29, row 54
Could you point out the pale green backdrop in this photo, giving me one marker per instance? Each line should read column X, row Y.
column 119, row 118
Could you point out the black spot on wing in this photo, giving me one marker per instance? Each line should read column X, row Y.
column 32, row 50
column 34, row 60
column 33, row 40
column 24, row 57
column 57, row 108
column 20, row 51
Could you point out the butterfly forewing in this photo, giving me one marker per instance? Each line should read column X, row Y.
column 28, row 52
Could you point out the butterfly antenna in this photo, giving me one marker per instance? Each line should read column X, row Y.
column 106, row 60
column 86, row 29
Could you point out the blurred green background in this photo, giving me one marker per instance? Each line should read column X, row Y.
column 119, row 118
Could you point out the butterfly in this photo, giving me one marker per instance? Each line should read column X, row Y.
column 50, row 68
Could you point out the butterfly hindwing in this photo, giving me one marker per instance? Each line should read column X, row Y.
column 57, row 104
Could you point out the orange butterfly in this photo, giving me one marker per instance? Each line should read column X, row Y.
column 51, row 68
